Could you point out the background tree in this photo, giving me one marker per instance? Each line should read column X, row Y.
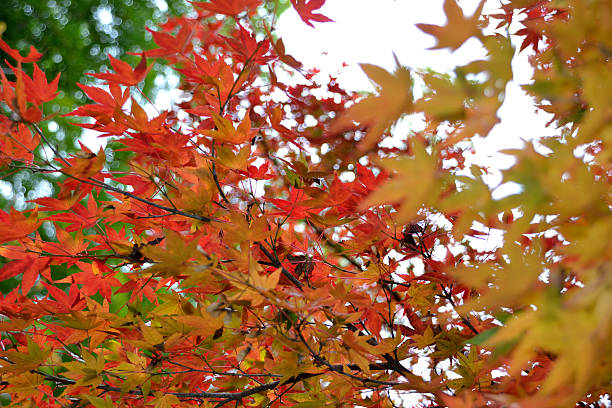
column 257, row 245
column 76, row 38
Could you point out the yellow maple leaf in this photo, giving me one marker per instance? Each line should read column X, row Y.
column 426, row 339
column 225, row 131
column 204, row 325
column 25, row 359
column 174, row 258
column 378, row 112
column 239, row 161
column 25, row 385
column 413, row 185
column 165, row 400
column 264, row 282
column 88, row 372
column 240, row 229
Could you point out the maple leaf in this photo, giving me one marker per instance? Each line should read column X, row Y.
column 30, row 266
column 38, row 90
column 84, row 164
column 258, row 173
column 27, row 358
column 306, row 8
column 225, row 132
column 65, row 302
column 264, row 282
column 88, row 372
column 378, row 112
column 98, row 402
column 532, row 38
column 162, row 400
column 169, row 44
column 94, row 281
column 26, row 384
column 171, row 260
column 32, row 56
column 228, row 7
column 124, row 74
column 238, row 161
column 18, row 226
column 412, row 185
column 81, row 217
column 296, row 207
column 204, row 325
column 112, row 100
column 458, row 28
column 248, row 49
column 256, row 229
column 423, row 340
column 16, row 97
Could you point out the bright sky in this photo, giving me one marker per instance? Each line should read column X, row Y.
column 362, row 32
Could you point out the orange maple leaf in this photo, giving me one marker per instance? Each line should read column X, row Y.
column 16, row 225
column 38, row 89
column 458, row 28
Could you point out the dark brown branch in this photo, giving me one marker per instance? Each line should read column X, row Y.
column 226, row 396
column 340, row 369
column 276, row 263
column 448, row 296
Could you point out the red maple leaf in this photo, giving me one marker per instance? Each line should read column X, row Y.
column 125, row 75
column 305, row 9
column 171, row 45
column 532, row 39
column 247, row 48
column 32, row 56
column 38, row 90
column 96, row 278
column 296, row 207
column 228, row 7
column 258, row 173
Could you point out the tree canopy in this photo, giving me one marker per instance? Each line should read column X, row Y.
column 261, row 244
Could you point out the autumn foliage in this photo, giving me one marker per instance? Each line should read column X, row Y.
column 258, row 245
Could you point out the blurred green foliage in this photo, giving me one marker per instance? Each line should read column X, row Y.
column 75, row 36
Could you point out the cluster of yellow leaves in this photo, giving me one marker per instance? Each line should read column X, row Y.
column 575, row 328
column 566, row 190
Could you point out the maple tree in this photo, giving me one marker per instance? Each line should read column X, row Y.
column 258, row 245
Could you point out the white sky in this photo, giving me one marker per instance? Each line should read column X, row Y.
column 362, row 32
